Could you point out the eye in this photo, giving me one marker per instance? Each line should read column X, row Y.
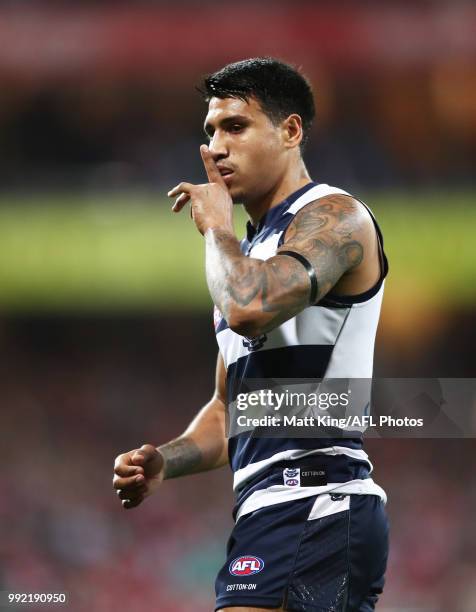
column 236, row 128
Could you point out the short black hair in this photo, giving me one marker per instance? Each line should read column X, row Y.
column 280, row 89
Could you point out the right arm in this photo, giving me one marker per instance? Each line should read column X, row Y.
column 202, row 446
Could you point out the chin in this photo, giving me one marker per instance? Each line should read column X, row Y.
column 237, row 197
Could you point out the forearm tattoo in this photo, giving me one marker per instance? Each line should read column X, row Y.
column 181, row 457
column 324, row 232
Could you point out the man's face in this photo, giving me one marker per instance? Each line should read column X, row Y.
column 247, row 147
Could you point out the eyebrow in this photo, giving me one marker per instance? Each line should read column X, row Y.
column 208, row 127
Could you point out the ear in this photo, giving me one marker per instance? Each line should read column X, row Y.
column 292, row 131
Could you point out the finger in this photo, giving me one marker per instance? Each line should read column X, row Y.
column 180, row 188
column 128, row 503
column 122, row 483
column 127, row 494
column 180, row 202
column 211, row 169
column 123, row 469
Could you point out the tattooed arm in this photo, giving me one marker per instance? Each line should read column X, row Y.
column 203, row 446
column 332, row 233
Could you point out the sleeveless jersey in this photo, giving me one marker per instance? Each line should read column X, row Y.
column 332, row 339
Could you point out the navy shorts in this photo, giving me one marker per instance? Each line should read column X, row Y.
column 322, row 553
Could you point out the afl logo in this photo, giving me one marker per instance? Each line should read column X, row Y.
column 246, row 566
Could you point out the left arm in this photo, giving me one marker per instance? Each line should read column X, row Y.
column 256, row 296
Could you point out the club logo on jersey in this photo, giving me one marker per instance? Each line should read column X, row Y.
column 253, row 344
column 292, row 477
column 246, row 566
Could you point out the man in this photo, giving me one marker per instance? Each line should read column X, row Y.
column 298, row 298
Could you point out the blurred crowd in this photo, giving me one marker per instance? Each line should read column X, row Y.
column 103, row 96
column 77, row 393
column 375, row 131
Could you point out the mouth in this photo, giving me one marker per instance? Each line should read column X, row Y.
column 227, row 174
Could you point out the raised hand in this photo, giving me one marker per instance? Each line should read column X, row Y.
column 211, row 203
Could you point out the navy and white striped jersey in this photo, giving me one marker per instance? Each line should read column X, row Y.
column 332, row 339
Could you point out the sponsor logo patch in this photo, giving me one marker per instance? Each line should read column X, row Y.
column 241, row 587
column 313, row 477
column 246, row 566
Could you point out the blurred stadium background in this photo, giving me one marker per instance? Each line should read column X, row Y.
column 105, row 321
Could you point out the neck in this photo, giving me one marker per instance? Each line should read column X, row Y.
column 291, row 182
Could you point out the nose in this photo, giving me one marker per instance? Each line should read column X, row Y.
column 217, row 145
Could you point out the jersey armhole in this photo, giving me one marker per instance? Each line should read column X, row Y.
column 364, row 296
column 333, row 299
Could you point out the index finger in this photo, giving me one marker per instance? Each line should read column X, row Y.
column 129, row 483
column 123, row 465
column 211, row 169
column 122, row 469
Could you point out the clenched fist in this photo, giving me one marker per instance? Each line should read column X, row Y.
column 138, row 474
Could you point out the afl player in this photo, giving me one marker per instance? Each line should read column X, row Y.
column 299, row 297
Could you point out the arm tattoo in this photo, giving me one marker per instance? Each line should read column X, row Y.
column 326, row 232
column 181, row 457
